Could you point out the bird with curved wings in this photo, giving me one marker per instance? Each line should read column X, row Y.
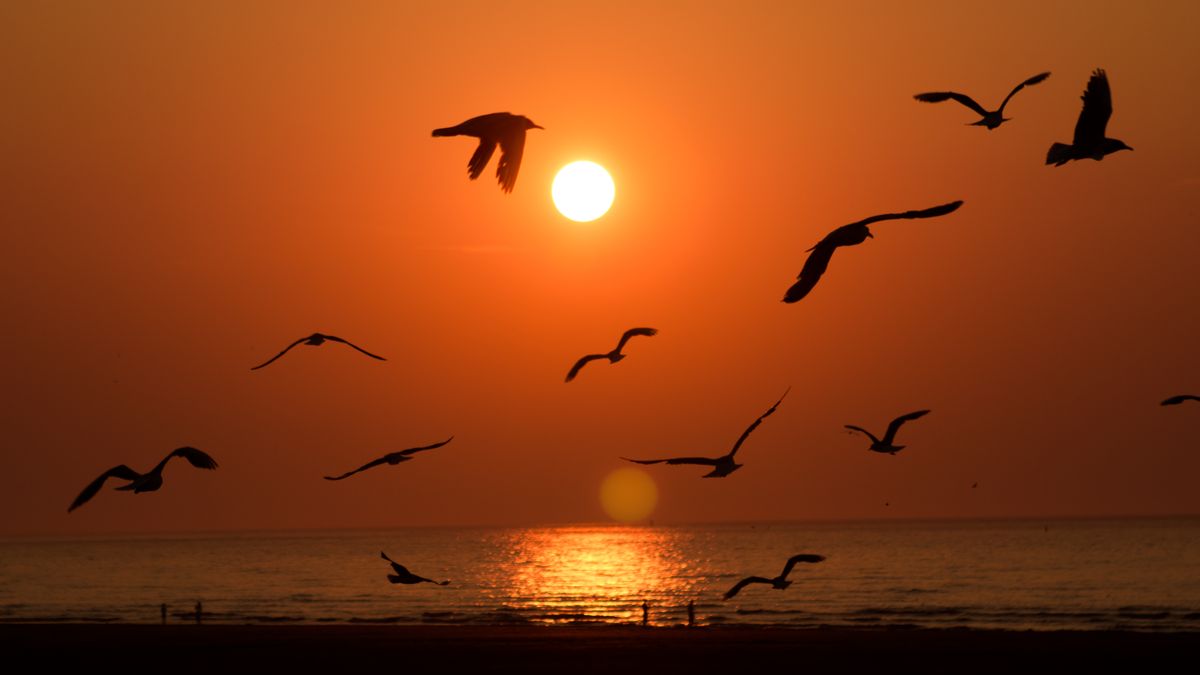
column 849, row 235
column 403, row 576
column 723, row 465
column 613, row 356
column 392, row 458
column 316, row 340
column 1176, row 400
column 778, row 583
column 990, row 118
column 503, row 129
column 1089, row 141
column 142, row 482
column 886, row 444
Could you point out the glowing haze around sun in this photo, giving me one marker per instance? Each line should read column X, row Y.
column 583, row 191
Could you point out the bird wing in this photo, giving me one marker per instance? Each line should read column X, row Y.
column 1033, row 80
column 862, row 430
column 634, row 332
column 400, row 569
column 754, row 425
column 413, row 451
column 800, row 558
column 197, row 458
column 482, row 155
column 896, row 423
column 706, row 461
column 931, row 212
column 1097, row 108
column 119, row 471
column 814, row 267
column 512, row 147
column 939, row 96
column 583, row 362
column 744, row 583
column 335, row 338
column 1176, row 400
column 364, row 467
column 288, row 349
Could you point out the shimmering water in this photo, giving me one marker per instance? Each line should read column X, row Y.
column 1133, row 574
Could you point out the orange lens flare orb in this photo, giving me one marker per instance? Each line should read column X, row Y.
column 628, row 495
column 583, row 191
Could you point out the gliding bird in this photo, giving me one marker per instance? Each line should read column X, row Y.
column 885, row 445
column 723, row 465
column 780, row 582
column 991, row 119
column 392, row 458
column 403, row 576
column 316, row 340
column 849, row 235
column 502, row 128
column 1090, row 141
column 613, row 356
column 142, row 482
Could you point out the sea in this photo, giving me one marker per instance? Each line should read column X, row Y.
column 1127, row 574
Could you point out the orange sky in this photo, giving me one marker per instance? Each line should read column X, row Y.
column 188, row 189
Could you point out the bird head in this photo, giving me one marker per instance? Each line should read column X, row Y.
column 782, row 584
column 869, row 233
column 1113, row 145
column 615, row 357
column 529, row 124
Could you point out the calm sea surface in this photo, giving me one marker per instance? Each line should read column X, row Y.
column 1131, row 574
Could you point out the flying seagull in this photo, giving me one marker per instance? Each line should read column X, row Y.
column 723, row 465
column 1176, row 400
column 1090, row 141
column 778, row 583
column 392, row 458
column 403, row 576
column 316, row 340
column 142, row 482
column 885, row 445
column 849, row 235
column 504, row 128
column 991, row 119
column 613, row 356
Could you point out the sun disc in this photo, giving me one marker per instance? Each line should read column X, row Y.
column 628, row 495
column 583, row 191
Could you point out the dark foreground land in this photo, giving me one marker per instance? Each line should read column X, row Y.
column 598, row 649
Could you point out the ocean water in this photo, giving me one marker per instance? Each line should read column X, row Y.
column 1081, row 574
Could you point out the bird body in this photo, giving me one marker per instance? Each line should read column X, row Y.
column 989, row 118
column 1176, row 400
column 778, row 583
column 392, row 459
column 1089, row 141
column 403, row 576
column 614, row 356
column 887, row 444
column 503, row 129
column 142, row 482
column 316, row 340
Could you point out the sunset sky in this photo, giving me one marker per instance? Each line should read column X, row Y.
column 186, row 188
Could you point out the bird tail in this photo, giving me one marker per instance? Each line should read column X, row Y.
column 1059, row 154
column 394, row 578
column 446, row 131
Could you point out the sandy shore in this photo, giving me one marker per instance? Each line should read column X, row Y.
column 608, row 649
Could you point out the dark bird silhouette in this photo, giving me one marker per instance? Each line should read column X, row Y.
column 1090, row 141
column 991, row 119
column 1176, row 400
column 403, row 576
column 778, row 583
column 723, row 465
column 613, row 356
column 502, row 128
column 316, row 340
column 392, row 458
column 142, row 482
column 849, row 235
column 885, row 445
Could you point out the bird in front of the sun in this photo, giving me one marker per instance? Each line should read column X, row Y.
column 1176, row 400
column 1090, row 141
column 887, row 444
column 392, row 458
column 990, row 118
column 316, row 340
column 403, row 576
column 503, row 129
column 849, row 235
column 613, row 356
column 142, row 482
column 721, row 466
column 780, row 582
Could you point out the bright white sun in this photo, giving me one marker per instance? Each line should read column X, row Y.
column 583, row 191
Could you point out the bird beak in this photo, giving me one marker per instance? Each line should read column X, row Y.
column 538, row 126
column 870, row 235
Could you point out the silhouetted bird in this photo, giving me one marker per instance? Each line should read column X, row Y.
column 991, row 119
column 1090, row 141
column 885, row 445
column 778, row 583
column 613, row 356
column 1176, row 400
column 849, row 235
column 392, row 458
column 723, row 465
column 504, row 128
column 142, row 482
column 316, row 340
column 403, row 576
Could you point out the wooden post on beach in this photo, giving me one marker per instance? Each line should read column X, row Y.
column 163, row 611
column 645, row 613
column 199, row 611
column 691, row 613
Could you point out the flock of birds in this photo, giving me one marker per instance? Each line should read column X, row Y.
column 508, row 132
